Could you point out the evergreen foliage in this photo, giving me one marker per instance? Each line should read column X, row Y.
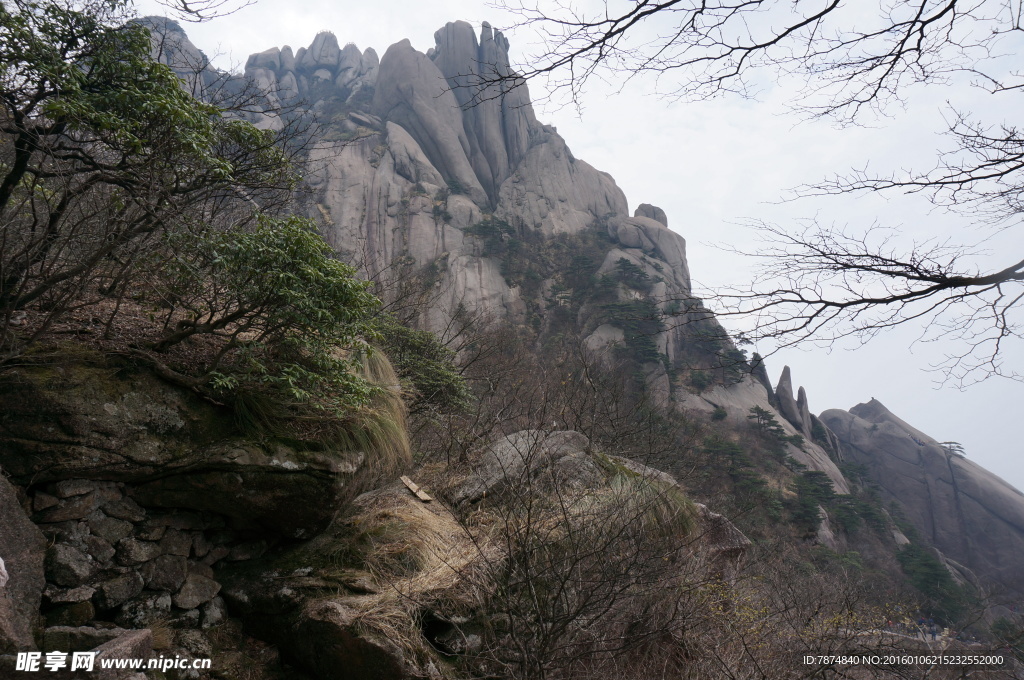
column 813, row 490
column 426, row 366
column 120, row 190
column 640, row 321
column 769, row 428
column 292, row 319
column 632, row 275
column 103, row 153
column 750, row 489
column 932, row 579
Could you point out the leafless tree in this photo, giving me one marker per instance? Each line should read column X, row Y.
column 852, row 57
column 825, row 282
column 612, row 575
column 204, row 10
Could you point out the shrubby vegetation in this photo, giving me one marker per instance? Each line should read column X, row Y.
column 433, row 382
column 104, row 153
column 290, row 321
column 749, row 489
column 157, row 227
column 131, row 208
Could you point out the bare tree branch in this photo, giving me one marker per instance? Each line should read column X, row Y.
column 825, row 283
column 204, row 10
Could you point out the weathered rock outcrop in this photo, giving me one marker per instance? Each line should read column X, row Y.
column 447, row 141
column 555, row 193
column 332, row 603
column 508, row 459
column 796, row 411
column 331, row 616
column 652, row 212
column 737, row 400
column 104, row 421
column 496, row 112
column 973, row 517
column 413, row 93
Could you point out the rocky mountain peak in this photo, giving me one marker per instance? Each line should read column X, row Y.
column 496, row 111
column 651, row 212
column 795, row 410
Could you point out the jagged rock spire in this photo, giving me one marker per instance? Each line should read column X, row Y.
column 796, row 411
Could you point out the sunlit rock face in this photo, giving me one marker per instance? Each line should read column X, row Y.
column 968, row 513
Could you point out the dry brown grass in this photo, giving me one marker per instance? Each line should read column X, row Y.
column 422, row 559
column 163, row 634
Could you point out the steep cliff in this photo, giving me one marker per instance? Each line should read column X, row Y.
column 972, row 516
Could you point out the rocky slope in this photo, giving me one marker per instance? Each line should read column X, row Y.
column 429, row 169
column 124, row 498
column 440, row 149
column 972, row 516
column 139, row 520
column 420, row 148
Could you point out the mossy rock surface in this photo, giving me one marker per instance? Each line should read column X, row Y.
column 94, row 418
column 98, row 418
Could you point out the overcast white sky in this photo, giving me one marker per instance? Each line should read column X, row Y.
column 710, row 165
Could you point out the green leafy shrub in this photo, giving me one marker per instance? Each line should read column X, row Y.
column 700, row 380
column 932, row 579
column 289, row 321
column 105, row 152
column 426, row 365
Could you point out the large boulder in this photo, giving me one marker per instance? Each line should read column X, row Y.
column 323, row 53
column 22, row 555
column 509, row 458
column 268, row 59
column 97, row 420
column 652, row 212
column 341, row 605
column 972, row 516
column 276, row 487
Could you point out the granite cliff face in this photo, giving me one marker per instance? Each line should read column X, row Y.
column 421, row 147
column 433, row 167
column 972, row 516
